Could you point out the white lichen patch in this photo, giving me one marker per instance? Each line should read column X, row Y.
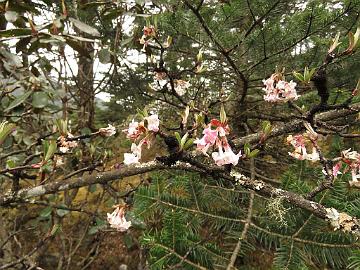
column 258, row 185
column 147, row 164
column 182, row 164
column 36, row 191
column 64, row 187
column 341, row 221
column 314, row 205
column 239, row 178
column 332, row 214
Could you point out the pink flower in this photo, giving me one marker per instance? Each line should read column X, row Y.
column 117, row 219
column 299, row 143
column 153, row 122
column 149, row 31
column 159, row 76
column 134, row 130
column 269, row 83
column 207, row 140
column 228, row 157
column 278, row 90
column 336, row 169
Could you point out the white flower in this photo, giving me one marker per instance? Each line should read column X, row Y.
column 130, row 158
column 66, row 144
column 133, row 131
column 227, row 157
column 108, row 131
column 117, row 220
column 153, row 122
column 351, row 154
column 355, row 174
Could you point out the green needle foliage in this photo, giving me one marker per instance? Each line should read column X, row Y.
column 193, row 224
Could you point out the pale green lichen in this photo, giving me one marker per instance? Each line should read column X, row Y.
column 277, row 210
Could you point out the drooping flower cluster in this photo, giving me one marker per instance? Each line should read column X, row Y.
column 278, row 90
column 217, row 137
column 352, row 158
column 144, row 132
column 301, row 143
column 117, row 219
column 65, row 143
column 108, row 131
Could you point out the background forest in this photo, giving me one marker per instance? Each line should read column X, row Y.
column 68, row 69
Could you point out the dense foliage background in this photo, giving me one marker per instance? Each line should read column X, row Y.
column 76, row 66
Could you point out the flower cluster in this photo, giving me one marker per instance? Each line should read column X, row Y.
column 300, row 143
column 278, row 90
column 108, row 131
column 181, row 86
column 148, row 32
column 145, row 129
column 352, row 158
column 65, row 143
column 117, row 219
column 217, row 137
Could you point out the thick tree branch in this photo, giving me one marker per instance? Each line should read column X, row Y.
column 339, row 221
column 297, row 125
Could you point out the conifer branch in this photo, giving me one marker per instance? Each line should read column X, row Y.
column 236, row 251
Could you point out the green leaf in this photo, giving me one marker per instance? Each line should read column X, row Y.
column 247, row 149
column 104, row 56
column 50, row 150
column 92, row 188
column 177, row 136
column 100, row 224
column 298, row 76
column 5, row 130
column 19, row 100
column 76, row 45
column 266, row 127
column 46, row 212
column 222, row 114
column 17, row 32
column 128, row 241
column 62, row 212
column 55, row 229
column 254, row 153
column 10, row 163
column 84, row 27
column 183, row 140
column 126, row 41
column 189, row 143
column 40, row 100
column 62, row 126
